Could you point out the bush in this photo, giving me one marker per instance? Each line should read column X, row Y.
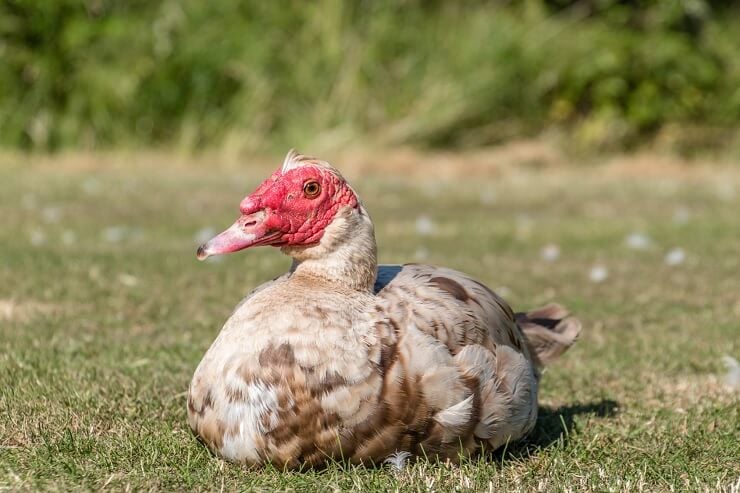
column 255, row 75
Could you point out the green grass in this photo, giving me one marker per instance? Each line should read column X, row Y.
column 249, row 74
column 101, row 329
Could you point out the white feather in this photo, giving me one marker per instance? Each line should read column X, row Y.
column 457, row 416
column 291, row 160
column 398, row 460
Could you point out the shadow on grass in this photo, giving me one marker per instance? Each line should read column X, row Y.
column 554, row 426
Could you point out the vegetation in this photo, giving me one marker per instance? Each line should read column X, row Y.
column 104, row 314
column 253, row 75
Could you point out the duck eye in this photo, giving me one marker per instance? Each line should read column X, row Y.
column 311, row 189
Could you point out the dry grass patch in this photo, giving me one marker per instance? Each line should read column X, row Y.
column 23, row 311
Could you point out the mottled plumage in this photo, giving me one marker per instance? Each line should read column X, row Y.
column 340, row 359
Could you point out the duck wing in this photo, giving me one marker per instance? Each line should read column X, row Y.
column 468, row 353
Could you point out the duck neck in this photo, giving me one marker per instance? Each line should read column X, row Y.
column 346, row 256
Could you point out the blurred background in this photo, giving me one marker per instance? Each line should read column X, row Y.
column 596, row 75
column 581, row 152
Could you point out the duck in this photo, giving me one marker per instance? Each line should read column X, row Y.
column 341, row 359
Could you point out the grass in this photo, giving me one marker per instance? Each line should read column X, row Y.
column 104, row 314
column 254, row 75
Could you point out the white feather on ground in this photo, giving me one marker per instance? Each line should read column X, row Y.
column 398, row 460
column 732, row 377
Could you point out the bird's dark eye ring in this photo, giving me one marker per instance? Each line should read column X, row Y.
column 311, row 189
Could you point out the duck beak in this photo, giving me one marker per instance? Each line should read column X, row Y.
column 248, row 231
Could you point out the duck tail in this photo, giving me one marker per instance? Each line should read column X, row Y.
column 550, row 331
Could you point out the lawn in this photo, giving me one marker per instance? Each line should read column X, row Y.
column 105, row 313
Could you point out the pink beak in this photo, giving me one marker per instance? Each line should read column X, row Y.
column 249, row 230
